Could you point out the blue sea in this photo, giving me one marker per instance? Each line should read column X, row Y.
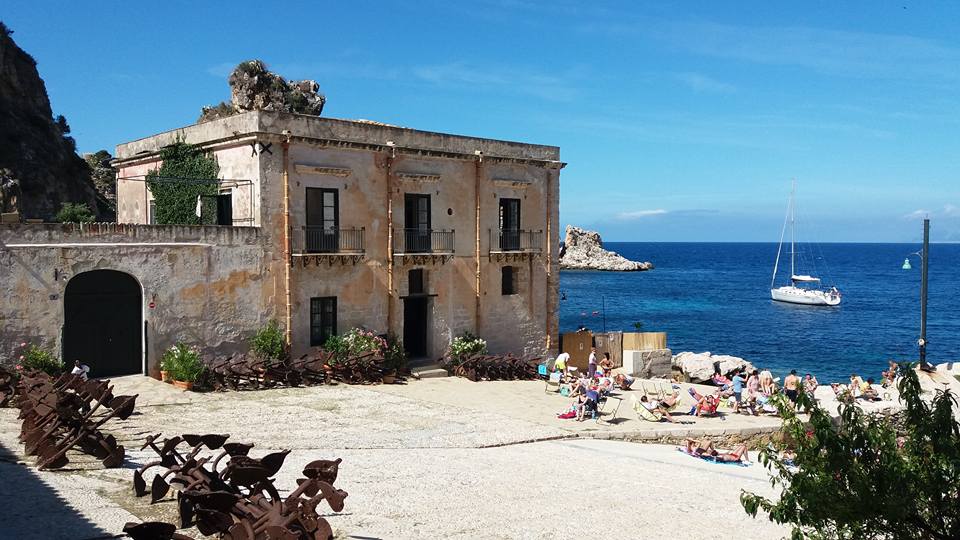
column 716, row 297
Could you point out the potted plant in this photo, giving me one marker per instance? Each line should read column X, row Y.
column 183, row 365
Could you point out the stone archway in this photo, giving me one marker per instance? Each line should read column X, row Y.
column 103, row 323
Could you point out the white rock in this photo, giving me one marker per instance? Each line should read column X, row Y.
column 698, row 367
column 583, row 250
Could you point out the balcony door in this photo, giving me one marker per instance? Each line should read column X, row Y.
column 416, row 210
column 323, row 220
column 510, row 224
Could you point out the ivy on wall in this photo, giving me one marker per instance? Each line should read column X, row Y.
column 179, row 181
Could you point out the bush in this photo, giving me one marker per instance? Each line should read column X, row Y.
column 361, row 341
column 33, row 357
column 465, row 346
column 75, row 213
column 868, row 476
column 270, row 343
column 186, row 173
column 182, row 363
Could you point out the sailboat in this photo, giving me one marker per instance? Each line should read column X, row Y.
column 803, row 288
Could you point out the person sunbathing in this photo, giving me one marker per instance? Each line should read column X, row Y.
column 662, row 406
column 890, row 375
column 623, row 381
column 705, row 448
column 868, row 392
column 705, row 404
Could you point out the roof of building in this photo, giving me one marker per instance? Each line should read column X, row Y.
column 270, row 124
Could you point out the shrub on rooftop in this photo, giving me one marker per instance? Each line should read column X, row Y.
column 187, row 172
column 867, row 476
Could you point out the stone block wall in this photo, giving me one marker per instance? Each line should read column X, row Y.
column 208, row 285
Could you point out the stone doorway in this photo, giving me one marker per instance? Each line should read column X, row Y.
column 102, row 323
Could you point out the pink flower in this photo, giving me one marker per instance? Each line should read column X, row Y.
column 18, row 367
column 24, row 344
column 21, row 357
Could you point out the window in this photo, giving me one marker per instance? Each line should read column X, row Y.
column 323, row 220
column 508, row 281
column 416, row 209
column 152, row 212
column 415, row 282
column 510, row 224
column 323, row 319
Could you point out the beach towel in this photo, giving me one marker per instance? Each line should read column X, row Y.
column 712, row 459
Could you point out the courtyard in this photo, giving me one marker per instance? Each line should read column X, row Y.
column 432, row 458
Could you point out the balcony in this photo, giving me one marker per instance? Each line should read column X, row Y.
column 319, row 244
column 506, row 241
column 423, row 245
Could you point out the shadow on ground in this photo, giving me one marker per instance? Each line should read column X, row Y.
column 32, row 509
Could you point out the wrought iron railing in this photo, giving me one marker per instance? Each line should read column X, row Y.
column 406, row 241
column 515, row 240
column 309, row 240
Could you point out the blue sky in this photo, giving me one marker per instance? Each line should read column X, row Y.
column 680, row 121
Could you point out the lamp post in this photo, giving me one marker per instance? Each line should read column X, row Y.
column 924, row 264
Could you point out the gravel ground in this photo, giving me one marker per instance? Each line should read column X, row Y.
column 413, row 469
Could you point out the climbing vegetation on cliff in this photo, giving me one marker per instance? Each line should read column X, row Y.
column 187, row 173
column 867, row 476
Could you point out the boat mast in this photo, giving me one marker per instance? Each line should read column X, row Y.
column 783, row 231
column 793, row 248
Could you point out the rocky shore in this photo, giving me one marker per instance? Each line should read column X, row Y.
column 699, row 367
column 583, row 250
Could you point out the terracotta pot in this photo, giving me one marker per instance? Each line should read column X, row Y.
column 164, row 376
column 389, row 379
column 183, row 385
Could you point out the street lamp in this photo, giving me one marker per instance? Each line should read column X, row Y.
column 924, row 260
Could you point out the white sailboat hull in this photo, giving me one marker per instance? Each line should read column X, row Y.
column 809, row 297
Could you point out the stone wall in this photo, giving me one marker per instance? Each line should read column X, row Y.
column 209, row 285
column 361, row 160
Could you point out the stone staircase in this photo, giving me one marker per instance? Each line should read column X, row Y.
column 426, row 368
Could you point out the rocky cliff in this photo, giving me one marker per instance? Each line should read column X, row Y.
column 583, row 250
column 39, row 165
column 254, row 88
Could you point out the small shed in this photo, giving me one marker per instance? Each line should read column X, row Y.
column 610, row 342
column 577, row 344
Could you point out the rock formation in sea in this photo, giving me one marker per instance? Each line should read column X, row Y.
column 583, row 250
column 39, row 166
column 699, row 367
column 254, row 88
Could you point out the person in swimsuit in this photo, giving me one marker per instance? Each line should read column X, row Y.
column 791, row 386
column 705, row 448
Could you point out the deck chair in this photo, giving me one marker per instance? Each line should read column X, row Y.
column 644, row 413
column 651, row 389
column 552, row 384
column 603, row 404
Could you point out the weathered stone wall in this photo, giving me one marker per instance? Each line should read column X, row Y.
column 356, row 158
column 209, row 285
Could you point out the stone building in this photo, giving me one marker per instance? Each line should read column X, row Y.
column 324, row 225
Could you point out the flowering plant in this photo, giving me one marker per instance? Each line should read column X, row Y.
column 465, row 346
column 359, row 341
column 31, row 357
column 182, row 362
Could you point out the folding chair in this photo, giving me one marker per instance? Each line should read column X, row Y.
column 601, row 406
column 552, row 384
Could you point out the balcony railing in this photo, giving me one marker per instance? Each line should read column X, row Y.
column 412, row 241
column 316, row 240
column 515, row 241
